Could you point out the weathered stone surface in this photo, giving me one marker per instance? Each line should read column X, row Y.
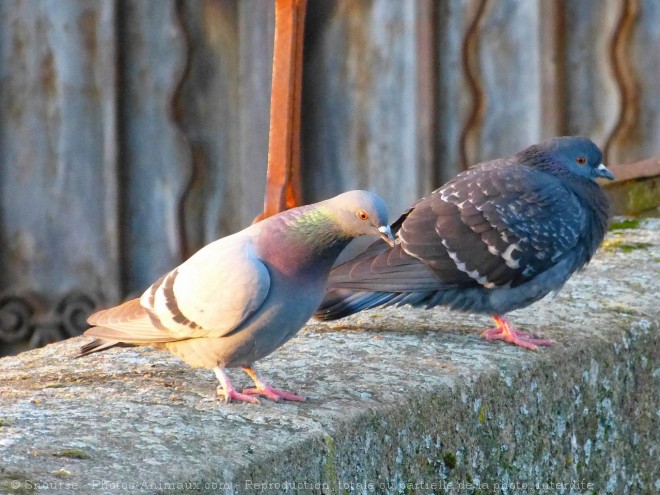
column 396, row 398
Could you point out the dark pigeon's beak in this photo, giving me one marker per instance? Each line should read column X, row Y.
column 601, row 171
column 386, row 234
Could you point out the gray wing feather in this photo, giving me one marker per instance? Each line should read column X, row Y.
column 498, row 226
column 209, row 295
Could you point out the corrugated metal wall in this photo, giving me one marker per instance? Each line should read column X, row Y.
column 134, row 131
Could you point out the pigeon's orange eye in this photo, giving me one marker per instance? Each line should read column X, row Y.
column 362, row 215
column 581, row 160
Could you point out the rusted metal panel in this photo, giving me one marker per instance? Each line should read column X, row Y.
column 637, row 52
column 155, row 158
column 224, row 111
column 552, row 81
column 256, row 31
column 509, row 51
column 133, row 133
column 426, row 48
column 58, row 151
column 591, row 96
column 359, row 102
column 209, row 110
column 645, row 50
column 457, row 92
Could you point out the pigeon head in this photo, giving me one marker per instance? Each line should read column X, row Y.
column 568, row 155
column 358, row 213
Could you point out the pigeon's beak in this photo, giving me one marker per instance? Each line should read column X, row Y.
column 602, row 171
column 386, row 234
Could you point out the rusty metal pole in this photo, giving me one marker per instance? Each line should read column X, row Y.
column 283, row 188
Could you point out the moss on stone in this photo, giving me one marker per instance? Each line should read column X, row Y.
column 642, row 195
column 449, row 458
column 329, row 471
column 72, row 454
column 620, row 244
column 482, row 415
column 626, row 223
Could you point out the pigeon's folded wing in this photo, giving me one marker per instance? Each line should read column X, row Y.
column 129, row 322
column 209, row 295
column 500, row 227
column 493, row 227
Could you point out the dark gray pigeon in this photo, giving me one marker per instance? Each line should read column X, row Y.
column 243, row 296
column 496, row 238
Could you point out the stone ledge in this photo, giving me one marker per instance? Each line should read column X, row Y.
column 400, row 401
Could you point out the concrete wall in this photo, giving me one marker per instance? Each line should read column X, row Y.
column 399, row 401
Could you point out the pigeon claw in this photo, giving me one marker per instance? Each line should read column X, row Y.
column 227, row 391
column 504, row 331
column 262, row 388
column 232, row 394
column 273, row 394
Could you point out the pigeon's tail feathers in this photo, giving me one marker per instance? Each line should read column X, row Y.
column 425, row 299
column 99, row 345
column 123, row 326
column 128, row 336
column 344, row 302
column 390, row 270
column 378, row 277
column 339, row 303
column 107, row 338
column 130, row 323
column 126, row 314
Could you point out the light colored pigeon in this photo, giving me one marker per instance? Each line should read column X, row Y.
column 241, row 297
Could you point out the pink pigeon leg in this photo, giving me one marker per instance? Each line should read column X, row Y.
column 262, row 388
column 228, row 392
column 504, row 331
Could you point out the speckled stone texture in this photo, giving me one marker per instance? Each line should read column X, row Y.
column 400, row 401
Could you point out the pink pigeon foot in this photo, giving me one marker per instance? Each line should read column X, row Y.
column 229, row 395
column 227, row 391
column 262, row 388
column 504, row 331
